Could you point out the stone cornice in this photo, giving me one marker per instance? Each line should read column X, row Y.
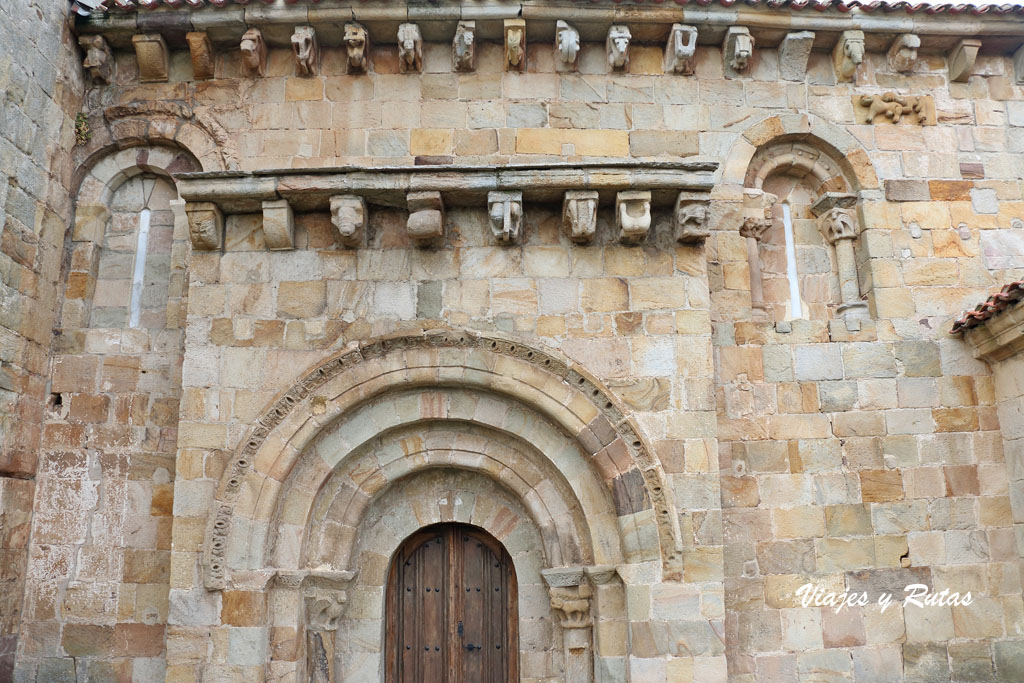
column 999, row 337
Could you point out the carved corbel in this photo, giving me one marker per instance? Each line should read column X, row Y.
column 505, row 210
column 515, row 45
column 617, row 45
column 205, row 225
column 903, row 52
column 254, row 52
column 633, row 215
column 410, row 49
column 1018, row 66
column 306, row 50
column 99, row 61
column 357, row 46
column 278, row 224
column 691, row 218
column 579, row 215
column 794, row 52
column 201, row 50
column 426, row 217
column 848, row 54
column 737, row 51
column 464, row 46
column 348, row 213
column 962, row 58
column 681, row 50
column 567, row 43
column 151, row 52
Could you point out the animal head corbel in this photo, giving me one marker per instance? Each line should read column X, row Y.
column 254, row 52
column 681, row 49
column 357, row 45
column 738, row 50
column 515, row 45
column 848, row 54
column 410, row 48
column 307, row 51
column 617, row 45
column 464, row 46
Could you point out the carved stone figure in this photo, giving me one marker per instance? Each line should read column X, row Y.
column 848, row 54
column 426, row 217
column 254, row 52
column 579, row 214
column 515, row 45
column 890, row 107
column 837, row 224
column 567, row 43
column 633, row 214
column 99, row 61
column 617, row 45
column 903, row 52
column 505, row 210
column 357, row 44
column 151, row 51
column 573, row 604
column 737, row 50
column 201, row 50
column 691, row 219
column 348, row 213
column 205, row 225
column 464, row 46
column 888, row 104
column 410, row 48
column 324, row 607
column 306, row 50
column 681, row 49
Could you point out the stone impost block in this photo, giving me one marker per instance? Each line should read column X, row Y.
column 348, row 214
column 617, row 45
column 505, row 210
column 99, row 61
column 848, row 54
column 903, row 52
column 278, row 224
column 579, row 215
column 426, row 217
column 633, row 215
column 515, row 45
column 205, row 225
column 961, row 59
column 737, row 51
column 201, row 50
column 254, row 52
column 151, row 52
column 567, row 44
column 680, row 50
column 306, row 50
column 464, row 46
column 794, row 52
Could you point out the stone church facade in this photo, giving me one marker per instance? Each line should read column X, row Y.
column 661, row 305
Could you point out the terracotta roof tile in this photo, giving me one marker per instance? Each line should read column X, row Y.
column 1005, row 298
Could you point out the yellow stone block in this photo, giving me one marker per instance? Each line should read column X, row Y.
column 430, row 142
column 645, row 59
column 568, row 141
column 297, row 89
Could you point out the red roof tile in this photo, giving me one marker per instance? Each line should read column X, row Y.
column 1005, row 298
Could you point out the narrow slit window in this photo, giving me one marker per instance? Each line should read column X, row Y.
column 139, row 267
column 795, row 306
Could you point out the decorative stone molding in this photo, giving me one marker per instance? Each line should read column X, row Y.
column 567, row 44
column 737, row 51
column 426, row 217
column 410, row 49
column 357, row 46
column 633, row 215
column 838, row 223
column 254, row 52
column 691, row 218
column 998, row 337
column 579, row 215
column 464, row 46
column 201, row 50
column 505, row 210
column 205, row 225
column 680, row 50
column 306, row 50
column 794, row 52
column 515, row 45
column 99, row 61
column 962, row 58
column 617, row 45
column 151, row 52
column 348, row 214
column 892, row 108
column 278, row 224
column 848, row 54
column 903, row 52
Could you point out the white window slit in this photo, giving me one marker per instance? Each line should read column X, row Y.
column 139, row 272
column 795, row 306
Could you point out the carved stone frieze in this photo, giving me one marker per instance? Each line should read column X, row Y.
column 205, row 225
column 151, row 52
column 579, row 215
column 891, row 107
column 464, row 46
column 633, row 215
column 254, row 52
column 505, row 211
column 410, row 48
column 737, row 51
column 515, row 45
column 278, row 224
column 357, row 47
column 848, row 54
column 903, row 52
column 348, row 214
column 426, row 217
column 680, row 50
column 567, row 44
column 617, row 45
column 99, row 61
column 691, row 218
column 306, row 50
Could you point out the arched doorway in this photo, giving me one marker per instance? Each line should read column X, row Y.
column 452, row 608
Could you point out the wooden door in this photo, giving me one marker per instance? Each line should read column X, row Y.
column 451, row 609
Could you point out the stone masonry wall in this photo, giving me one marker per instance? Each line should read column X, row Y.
column 40, row 88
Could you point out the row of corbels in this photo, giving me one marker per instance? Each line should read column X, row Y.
column 679, row 58
column 426, row 223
